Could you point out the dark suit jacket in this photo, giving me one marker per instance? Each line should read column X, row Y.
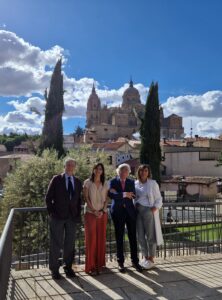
column 118, row 202
column 57, row 198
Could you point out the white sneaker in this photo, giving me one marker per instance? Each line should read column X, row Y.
column 150, row 265
column 147, row 264
column 144, row 263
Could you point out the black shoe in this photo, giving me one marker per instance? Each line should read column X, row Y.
column 56, row 275
column 138, row 267
column 121, row 268
column 69, row 273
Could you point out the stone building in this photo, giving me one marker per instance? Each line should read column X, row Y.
column 171, row 127
column 105, row 124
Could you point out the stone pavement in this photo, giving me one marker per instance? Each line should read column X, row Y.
column 190, row 277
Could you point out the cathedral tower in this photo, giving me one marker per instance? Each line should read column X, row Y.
column 93, row 109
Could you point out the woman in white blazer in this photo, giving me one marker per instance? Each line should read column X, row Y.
column 148, row 202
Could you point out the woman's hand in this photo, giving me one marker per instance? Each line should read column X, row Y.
column 98, row 213
column 153, row 209
column 112, row 190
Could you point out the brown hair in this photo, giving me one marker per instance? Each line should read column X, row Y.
column 142, row 167
column 102, row 176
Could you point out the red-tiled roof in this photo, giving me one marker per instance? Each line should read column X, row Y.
column 108, row 146
column 172, row 143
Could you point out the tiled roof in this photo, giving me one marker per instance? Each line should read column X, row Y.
column 108, row 146
column 18, row 156
column 190, row 179
column 134, row 162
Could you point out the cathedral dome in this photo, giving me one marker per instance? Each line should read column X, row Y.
column 131, row 96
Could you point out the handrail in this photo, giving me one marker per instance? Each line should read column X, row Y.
column 6, row 254
column 6, row 238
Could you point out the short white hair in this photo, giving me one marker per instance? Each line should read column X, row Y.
column 69, row 159
column 122, row 166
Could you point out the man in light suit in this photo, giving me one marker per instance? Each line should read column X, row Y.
column 63, row 201
column 122, row 192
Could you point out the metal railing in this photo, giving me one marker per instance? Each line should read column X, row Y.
column 188, row 228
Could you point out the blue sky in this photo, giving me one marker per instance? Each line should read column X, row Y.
column 175, row 42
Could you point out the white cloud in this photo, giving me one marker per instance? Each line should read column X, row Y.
column 19, row 123
column 26, row 70
column 202, row 112
column 206, row 105
column 33, row 104
column 23, row 66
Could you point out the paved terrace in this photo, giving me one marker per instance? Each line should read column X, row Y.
column 193, row 277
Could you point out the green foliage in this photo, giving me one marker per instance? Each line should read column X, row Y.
column 86, row 159
column 150, row 152
column 12, row 140
column 26, row 186
column 79, row 131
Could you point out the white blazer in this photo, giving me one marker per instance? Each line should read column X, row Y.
column 155, row 200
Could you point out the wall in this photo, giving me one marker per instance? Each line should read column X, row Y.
column 194, row 188
column 188, row 164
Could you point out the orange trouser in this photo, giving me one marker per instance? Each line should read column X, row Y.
column 95, row 242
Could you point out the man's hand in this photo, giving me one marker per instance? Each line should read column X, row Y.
column 129, row 195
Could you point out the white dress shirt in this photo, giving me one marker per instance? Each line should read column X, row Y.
column 148, row 193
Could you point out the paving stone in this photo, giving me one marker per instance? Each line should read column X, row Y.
column 177, row 278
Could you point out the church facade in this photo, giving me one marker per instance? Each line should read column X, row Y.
column 109, row 123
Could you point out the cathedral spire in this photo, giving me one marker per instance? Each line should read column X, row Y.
column 131, row 81
column 93, row 88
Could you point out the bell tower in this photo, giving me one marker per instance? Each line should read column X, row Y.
column 93, row 109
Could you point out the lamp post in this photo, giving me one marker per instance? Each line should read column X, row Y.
column 219, row 186
column 182, row 187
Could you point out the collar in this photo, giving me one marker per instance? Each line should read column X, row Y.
column 66, row 176
column 122, row 180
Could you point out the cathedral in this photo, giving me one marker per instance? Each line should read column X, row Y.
column 109, row 123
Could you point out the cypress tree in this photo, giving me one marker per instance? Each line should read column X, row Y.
column 150, row 152
column 52, row 133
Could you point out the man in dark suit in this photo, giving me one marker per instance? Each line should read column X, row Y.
column 122, row 192
column 63, row 201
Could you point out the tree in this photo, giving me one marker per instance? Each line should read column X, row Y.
column 52, row 133
column 79, row 131
column 150, row 152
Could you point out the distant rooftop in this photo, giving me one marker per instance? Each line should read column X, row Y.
column 191, row 179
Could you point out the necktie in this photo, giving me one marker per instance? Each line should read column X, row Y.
column 123, row 184
column 70, row 188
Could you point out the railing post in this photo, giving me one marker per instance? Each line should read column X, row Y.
column 6, row 255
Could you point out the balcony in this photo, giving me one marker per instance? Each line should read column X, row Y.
column 189, row 263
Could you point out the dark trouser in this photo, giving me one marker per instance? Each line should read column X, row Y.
column 62, row 236
column 120, row 220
